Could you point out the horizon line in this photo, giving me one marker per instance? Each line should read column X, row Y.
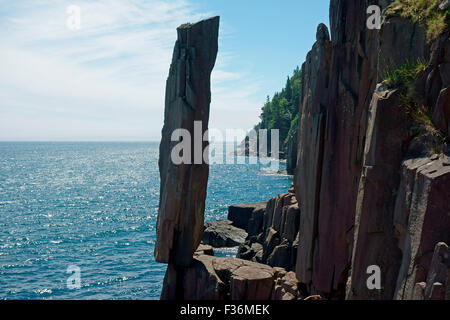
column 53, row 141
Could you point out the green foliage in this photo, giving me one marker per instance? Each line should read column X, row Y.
column 293, row 128
column 426, row 12
column 281, row 112
column 422, row 124
column 423, row 116
column 404, row 77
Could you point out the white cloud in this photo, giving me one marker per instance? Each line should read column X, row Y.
column 107, row 80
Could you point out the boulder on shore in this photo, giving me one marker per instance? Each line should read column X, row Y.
column 241, row 214
column 204, row 249
column 212, row 278
column 222, row 234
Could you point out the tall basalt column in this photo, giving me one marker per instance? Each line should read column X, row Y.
column 375, row 243
column 331, row 143
column 312, row 114
column 183, row 186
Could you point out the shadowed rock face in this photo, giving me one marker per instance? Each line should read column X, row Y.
column 401, row 211
column 353, row 138
column 333, row 113
column 222, row 234
column 387, row 138
column 241, row 214
column 437, row 285
column 422, row 219
column 183, row 187
column 441, row 116
column 312, row 116
column 273, row 233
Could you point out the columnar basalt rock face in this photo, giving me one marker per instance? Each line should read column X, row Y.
column 275, row 240
column 183, row 187
column 441, row 115
column 437, row 285
column 291, row 152
column 312, row 116
column 353, row 79
column 327, row 179
column 386, row 141
column 401, row 213
column 400, row 41
column 353, row 137
column 423, row 200
column 241, row 214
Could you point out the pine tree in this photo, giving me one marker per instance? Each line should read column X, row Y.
column 288, row 89
column 281, row 112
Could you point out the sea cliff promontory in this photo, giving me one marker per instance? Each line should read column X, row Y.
column 372, row 176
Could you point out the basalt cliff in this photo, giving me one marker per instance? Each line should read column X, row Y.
column 372, row 176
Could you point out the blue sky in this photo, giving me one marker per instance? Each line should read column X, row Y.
column 106, row 81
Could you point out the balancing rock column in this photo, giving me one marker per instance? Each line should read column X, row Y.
column 183, row 186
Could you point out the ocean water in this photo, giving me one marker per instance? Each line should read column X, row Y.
column 94, row 206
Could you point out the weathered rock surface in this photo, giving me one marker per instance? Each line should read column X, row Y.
column 411, row 202
column 204, row 249
column 275, row 241
column 255, row 224
column 422, row 219
column 445, row 4
column 353, row 138
column 437, row 284
column 441, row 115
column 438, row 280
column 222, row 233
column 286, row 286
column 312, row 117
column 241, row 214
column 291, row 152
column 400, row 41
column 212, row 278
column 351, row 82
column 183, row 186
column 387, row 138
column 335, row 110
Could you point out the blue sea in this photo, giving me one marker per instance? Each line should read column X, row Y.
column 94, row 205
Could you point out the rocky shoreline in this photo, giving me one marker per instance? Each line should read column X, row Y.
column 213, row 278
column 266, row 232
column 371, row 184
column 265, row 259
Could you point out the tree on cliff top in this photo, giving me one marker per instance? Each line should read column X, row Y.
column 281, row 111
